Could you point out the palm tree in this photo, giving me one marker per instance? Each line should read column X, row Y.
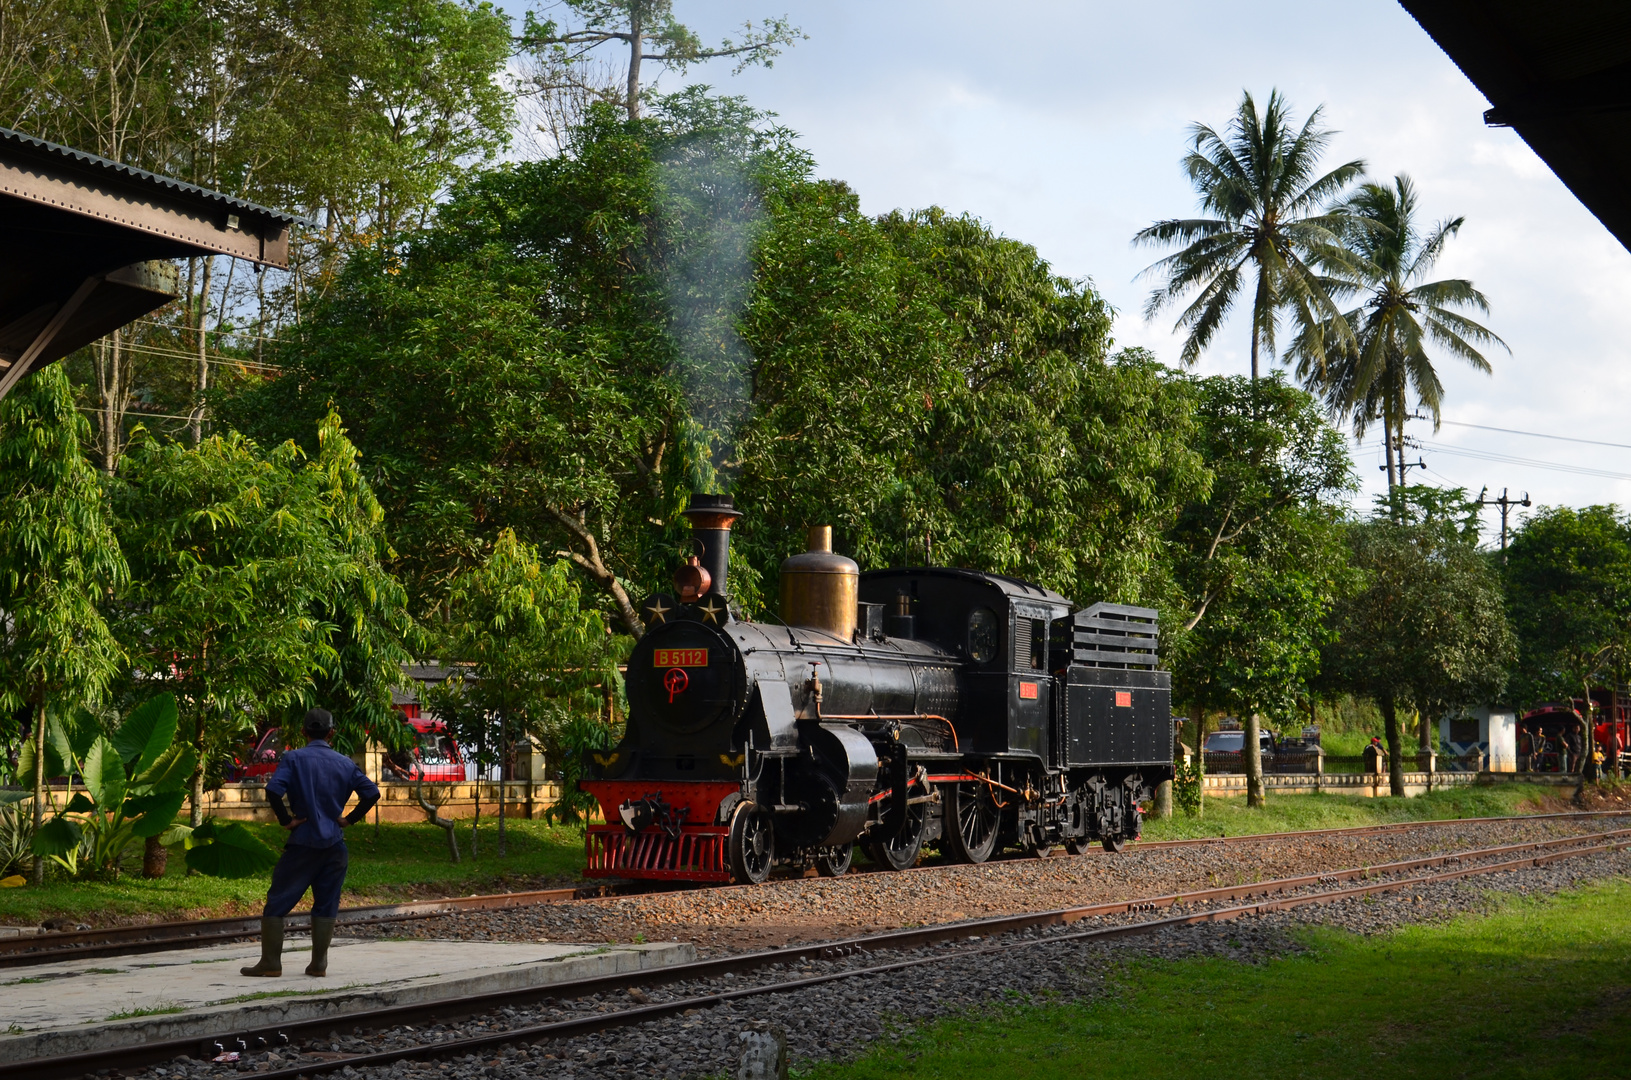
column 1371, row 378
column 1257, row 181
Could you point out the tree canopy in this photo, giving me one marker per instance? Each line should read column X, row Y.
column 676, row 302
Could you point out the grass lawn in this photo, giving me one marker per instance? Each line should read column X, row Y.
column 408, row 861
column 1231, row 817
column 1539, row 989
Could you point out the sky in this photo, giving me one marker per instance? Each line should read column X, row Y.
column 1062, row 124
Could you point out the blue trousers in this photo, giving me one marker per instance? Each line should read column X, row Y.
column 322, row 870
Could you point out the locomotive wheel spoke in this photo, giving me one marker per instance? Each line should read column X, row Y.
column 900, row 851
column 752, row 844
column 834, row 862
column 972, row 821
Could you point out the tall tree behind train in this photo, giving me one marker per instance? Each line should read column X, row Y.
column 1568, row 591
column 569, row 69
column 877, row 400
column 1267, row 228
column 1259, row 560
column 1425, row 630
column 244, row 565
column 1372, row 377
column 59, row 565
column 358, row 113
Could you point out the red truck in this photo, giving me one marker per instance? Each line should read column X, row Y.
column 434, row 753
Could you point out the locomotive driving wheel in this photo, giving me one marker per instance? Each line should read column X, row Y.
column 752, row 844
column 1114, row 844
column 834, row 862
column 972, row 821
column 900, row 851
column 1079, row 845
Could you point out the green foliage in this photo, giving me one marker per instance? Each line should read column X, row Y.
column 16, row 839
column 532, row 663
column 226, row 849
column 1257, row 180
column 229, row 555
column 135, row 782
column 648, row 29
column 259, row 586
column 1367, row 361
column 373, row 634
column 1259, row 562
column 677, row 301
column 59, row 558
column 1187, row 786
column 1426, row 630
column 1568, row 594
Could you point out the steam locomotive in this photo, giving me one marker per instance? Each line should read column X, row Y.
column 893, row 710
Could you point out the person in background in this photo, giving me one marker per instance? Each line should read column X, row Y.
column 1375, row 756
column 318, row 781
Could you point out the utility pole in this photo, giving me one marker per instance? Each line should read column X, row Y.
column 1506, row 506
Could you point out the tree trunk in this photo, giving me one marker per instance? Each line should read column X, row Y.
column 1163, row 799
column 1395, row 750
column 201, row 381
column 39, row 786
column 1198, row 714
column 636, row 47
column 154, row 858
column 475, row 824
column 503, row 770
column 195, row 816
column 1252, row 753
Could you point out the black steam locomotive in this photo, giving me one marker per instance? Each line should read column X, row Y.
column 894, row 709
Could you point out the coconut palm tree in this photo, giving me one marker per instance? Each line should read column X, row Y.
column 1371, row 379
column 1268, row 217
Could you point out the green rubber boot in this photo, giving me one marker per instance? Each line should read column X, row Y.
column 271, row 963
column 322, row 933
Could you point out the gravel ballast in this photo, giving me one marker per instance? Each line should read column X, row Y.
column 840, row 1019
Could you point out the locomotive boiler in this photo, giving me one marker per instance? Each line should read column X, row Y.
column 894, row 710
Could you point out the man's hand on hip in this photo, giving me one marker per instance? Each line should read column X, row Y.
column 296, row 823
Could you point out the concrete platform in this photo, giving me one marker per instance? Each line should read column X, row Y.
column 98, row 1004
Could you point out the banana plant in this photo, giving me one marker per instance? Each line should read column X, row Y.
column 135, row 782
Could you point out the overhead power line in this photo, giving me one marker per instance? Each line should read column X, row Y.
column 1538, row 434
column 1509, row 459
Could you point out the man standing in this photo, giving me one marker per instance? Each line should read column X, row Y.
column 318, row 781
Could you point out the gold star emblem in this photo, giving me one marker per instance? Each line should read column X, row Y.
column 712, row 610
column 655, row 611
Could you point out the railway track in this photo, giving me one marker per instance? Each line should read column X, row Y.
column 1405, row 874
column 155, row 937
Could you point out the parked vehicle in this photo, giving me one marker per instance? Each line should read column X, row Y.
column 1226, row 751
column 433, row 752
column 434, row 757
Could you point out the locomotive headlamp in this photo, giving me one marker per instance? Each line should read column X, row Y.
column 692, row 581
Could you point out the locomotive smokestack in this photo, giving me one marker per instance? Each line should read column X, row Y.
column 711, row 517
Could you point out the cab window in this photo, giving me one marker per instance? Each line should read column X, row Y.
column 982, row 635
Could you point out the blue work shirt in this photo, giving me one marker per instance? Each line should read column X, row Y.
column 319, row 781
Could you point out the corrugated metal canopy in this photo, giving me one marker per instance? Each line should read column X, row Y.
column 1560, row 75
column 86, row 240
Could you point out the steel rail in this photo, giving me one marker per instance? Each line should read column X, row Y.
column 1362, row 830
column 157, row 1052
column 155, row 937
